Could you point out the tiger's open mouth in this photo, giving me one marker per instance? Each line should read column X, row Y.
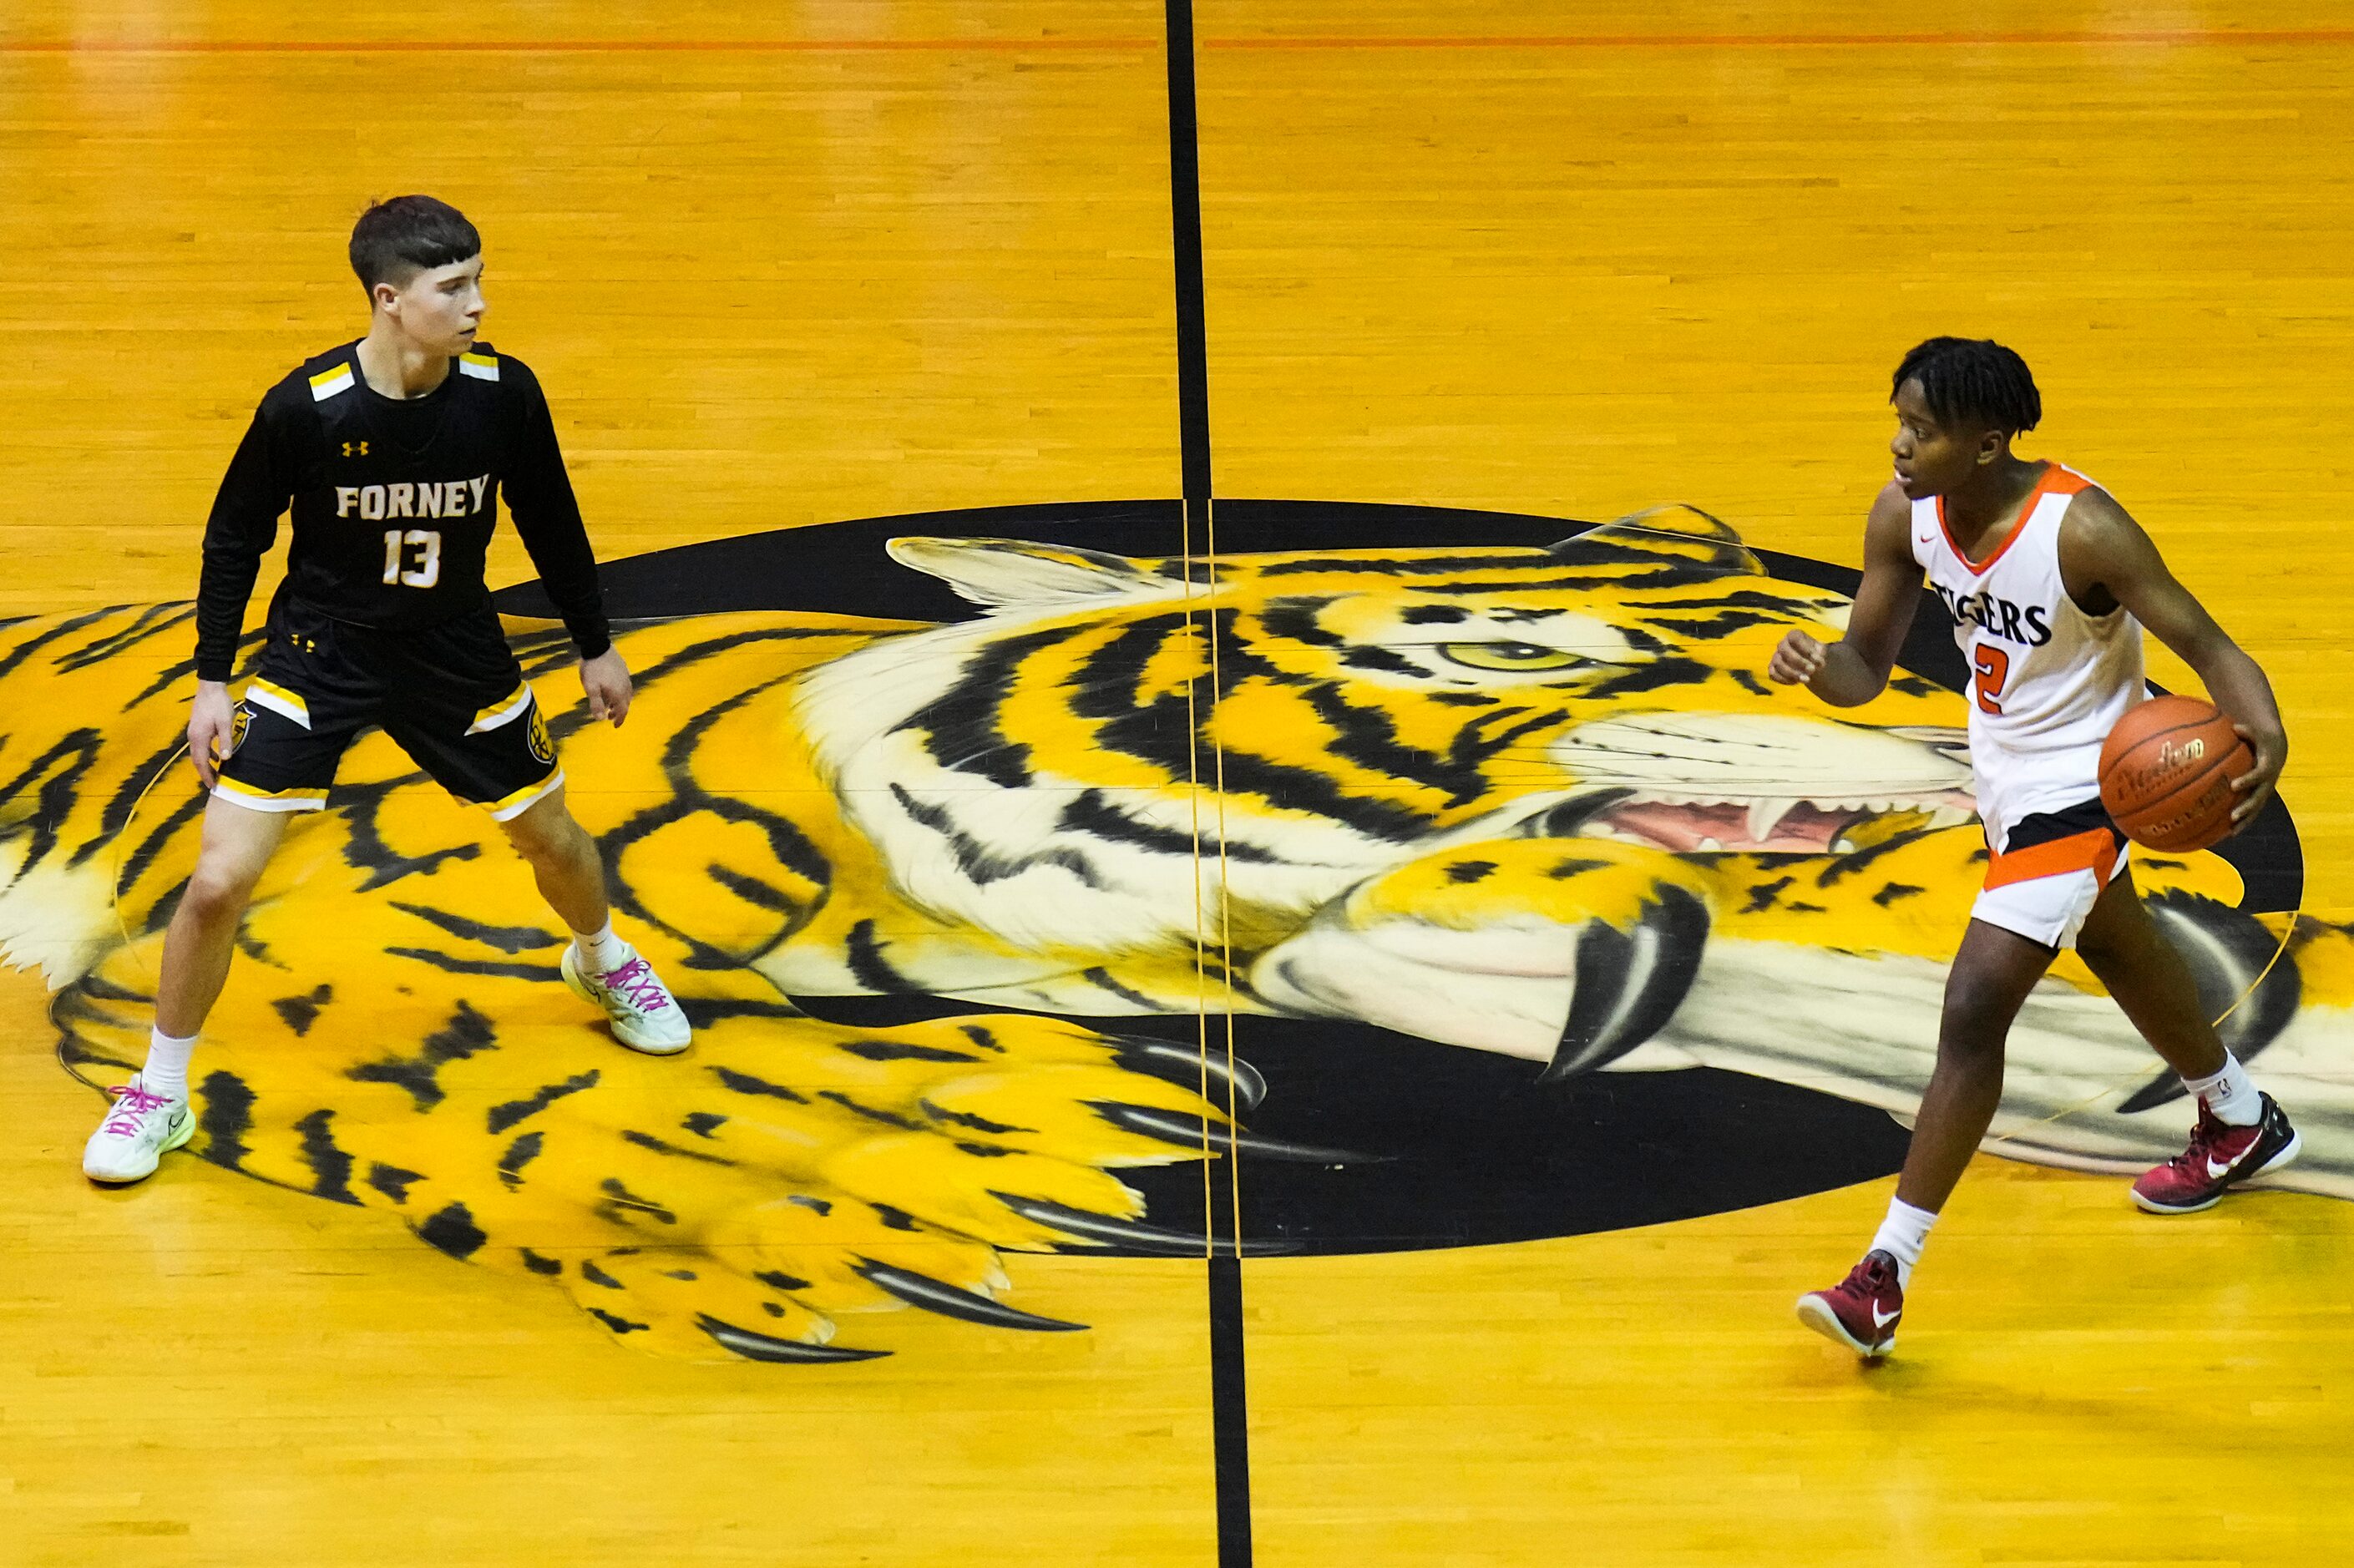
column 1775, row 825
column 1763, row 783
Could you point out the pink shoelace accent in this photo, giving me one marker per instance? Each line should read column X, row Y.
column 635, row 980
column 136, row 1102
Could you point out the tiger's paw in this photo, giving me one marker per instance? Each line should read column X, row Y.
column 1567, row 951
column 740, row 1203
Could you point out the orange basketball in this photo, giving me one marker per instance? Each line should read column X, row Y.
column 2166, row 771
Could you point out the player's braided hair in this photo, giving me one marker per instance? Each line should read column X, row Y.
column 402, row 235
column 1972, row 378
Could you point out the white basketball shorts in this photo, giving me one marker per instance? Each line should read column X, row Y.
column 2050, row 873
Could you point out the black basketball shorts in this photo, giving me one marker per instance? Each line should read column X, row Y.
column 451, row 696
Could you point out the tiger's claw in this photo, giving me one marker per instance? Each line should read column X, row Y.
column 768, row 1348
column 1106, row 1230
column 1199, row 1132
column 952, row 1301
column 1189, row 1069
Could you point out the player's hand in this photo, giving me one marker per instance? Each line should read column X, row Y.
column 2255, row 786
column 212, row 719
column 1795, row 661
column 606, row 680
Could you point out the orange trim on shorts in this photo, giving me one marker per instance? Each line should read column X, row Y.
column 2094, row 850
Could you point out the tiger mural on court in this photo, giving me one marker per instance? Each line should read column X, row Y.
column 1529, row 802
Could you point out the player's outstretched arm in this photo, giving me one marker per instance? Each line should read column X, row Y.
column 2104, row 551
column 1854, row 669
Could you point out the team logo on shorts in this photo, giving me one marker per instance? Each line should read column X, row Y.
column 542, row 748
column 237, row 726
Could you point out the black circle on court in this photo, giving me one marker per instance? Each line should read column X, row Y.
column 1458, row 1147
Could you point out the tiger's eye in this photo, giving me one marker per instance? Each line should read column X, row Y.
column 1509, row 655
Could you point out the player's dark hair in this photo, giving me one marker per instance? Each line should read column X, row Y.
column 402, row 236
column 1972, row 378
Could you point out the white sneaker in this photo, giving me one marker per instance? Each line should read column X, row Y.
column 645, row 1015
column 139, row 1130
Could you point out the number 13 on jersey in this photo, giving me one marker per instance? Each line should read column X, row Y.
column 1993, row 667
column 427, row 570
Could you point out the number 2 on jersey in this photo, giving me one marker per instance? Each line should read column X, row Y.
column 1994, row 669
column 428, row 569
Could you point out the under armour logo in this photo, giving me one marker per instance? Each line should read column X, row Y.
column 355, row 448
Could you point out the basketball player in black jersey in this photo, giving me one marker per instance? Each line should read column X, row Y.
column 393, row 453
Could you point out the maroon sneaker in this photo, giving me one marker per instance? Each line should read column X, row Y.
column 1861, row 1310
column 2219, row 1156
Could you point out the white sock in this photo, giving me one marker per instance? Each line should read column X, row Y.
column 1900, row 1235
column 166, row 1072
column 601, row 953
column 2229, row 1093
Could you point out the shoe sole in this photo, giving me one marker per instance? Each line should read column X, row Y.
column 1824, row 1321
column 2288, row 1151
column 579, row 988
column 178, row 1139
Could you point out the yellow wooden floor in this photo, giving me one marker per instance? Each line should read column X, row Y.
column 1564, row 259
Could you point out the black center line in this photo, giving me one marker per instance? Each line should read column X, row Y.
column 1229, row 1400
column 1186, row 230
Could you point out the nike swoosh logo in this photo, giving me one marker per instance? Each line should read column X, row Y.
column 1880, row 1319
column 2217, row 1172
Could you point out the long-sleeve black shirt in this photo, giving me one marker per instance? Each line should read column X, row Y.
column 394, row 502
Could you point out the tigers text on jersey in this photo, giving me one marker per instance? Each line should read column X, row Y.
column 2047, row 681
column 394, row 501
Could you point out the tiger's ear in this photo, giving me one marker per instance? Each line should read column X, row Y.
column 1002, row 572
column 1679, row 537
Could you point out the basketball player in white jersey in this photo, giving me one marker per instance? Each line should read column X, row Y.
column 2049, row 585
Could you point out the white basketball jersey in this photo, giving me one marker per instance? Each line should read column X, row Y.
column 2047, row 681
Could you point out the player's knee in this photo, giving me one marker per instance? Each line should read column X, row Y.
column 219, row 890
column 548, row 838
column 1975, row 1018
column 534, row 843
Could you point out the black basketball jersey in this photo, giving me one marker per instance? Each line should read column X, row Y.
column 394, row 501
